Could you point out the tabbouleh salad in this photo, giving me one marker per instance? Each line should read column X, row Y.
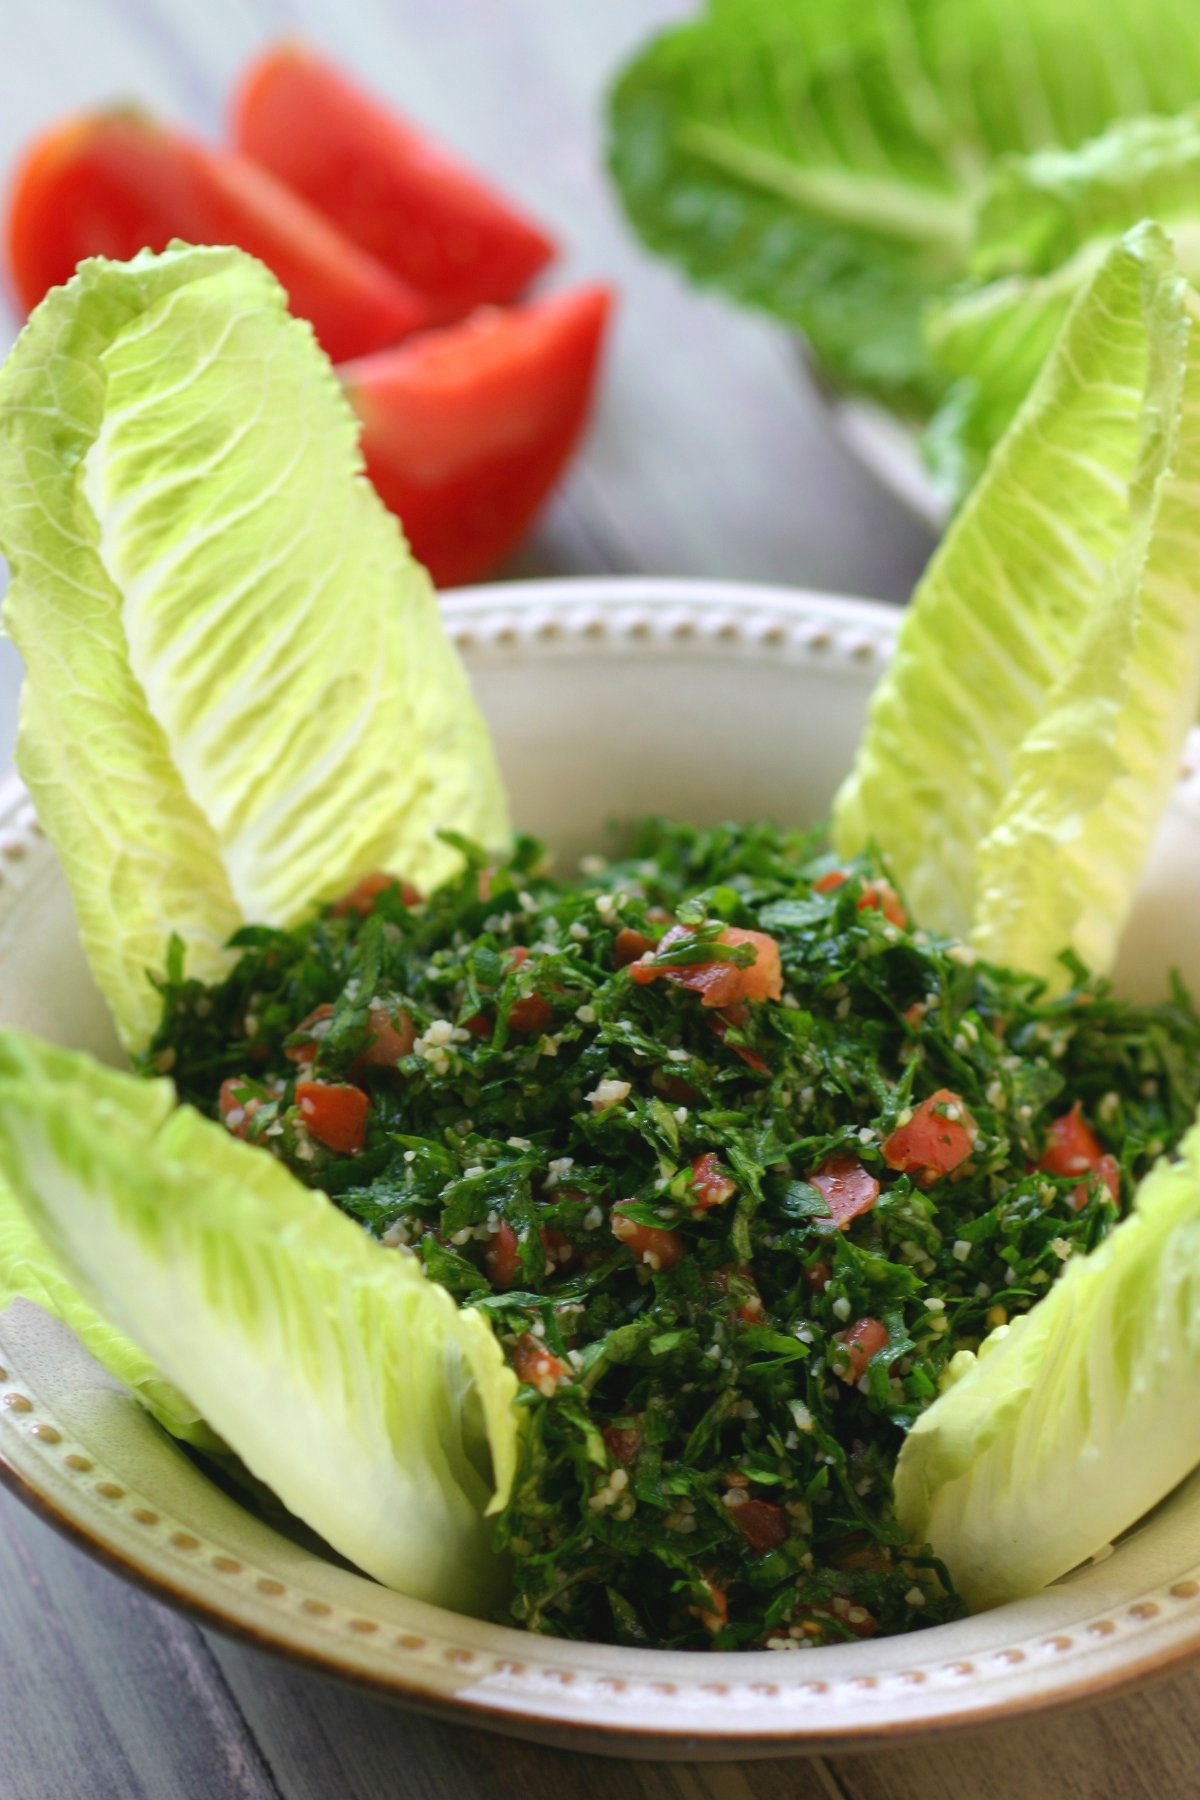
column 737, row 1163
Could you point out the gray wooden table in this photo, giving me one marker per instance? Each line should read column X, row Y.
column 708, row 457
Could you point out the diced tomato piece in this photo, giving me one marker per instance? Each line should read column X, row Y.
column 114, row 183
column 763, row 1526
column 624, row 1441
column 385, row 183
column 560, row 1251
column 537, row 1365
column 658, row 1249
column 517, row 955
column 847, row 1189
column 882, row 897
column 236, row 1114
column 466, row 429
column 392, row 1036
column 503, row 1256
column 720, row 983
column 675, row 1089
column 304, row 1052
column 715, row 1616
column 740, row 1283
column 933, row 1142
column 530, row 1015
column 816, row 1277
column 1072, row 1147
column 479, row 1025
column 630, row 946
column 862, row 1340
column 1109, row 1171
column 731, row 1016
column 335, row 1114
column 363, row 895
column 712, row 1184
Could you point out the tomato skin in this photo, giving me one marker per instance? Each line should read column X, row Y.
column 931, row 1145
column 530, row 1015
column 847, row 1189
column 630, row 946
column 624, row 1442
column 863, row 1340
column 763, row 1526
column 363, row 895
column 658, row 1249
column 877, row 895
column 1072, row 1148
column 229, row 1106
column 304, row 1052
column 715, row 1616
column 114, row 183
column 712, row 1184
column 335, row 1114
column 503, row 1256
column 537, row 1365
column 387, row 185
column 392, row 1037
column 466, row 429
column 719, row 983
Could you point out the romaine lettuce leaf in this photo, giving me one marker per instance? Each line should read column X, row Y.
column 1044, row 224
column 1077, row 1418
column 1022, row 746
column 238, row 697
column 347, row 1381
column 822, row 161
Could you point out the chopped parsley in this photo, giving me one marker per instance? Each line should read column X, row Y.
column 699, row 1225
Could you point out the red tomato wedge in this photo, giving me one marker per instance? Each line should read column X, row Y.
column 763, row 1526
column 392, row 190
column 114, row 183
column 937, row 1138
column 864, row 1339
column 466, row 430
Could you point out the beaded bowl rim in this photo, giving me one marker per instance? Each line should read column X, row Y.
column 1057, row 1649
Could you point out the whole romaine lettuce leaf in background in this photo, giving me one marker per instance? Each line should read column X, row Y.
column 1044, row 224
column 822, row 161
column 238, row 695
column 1021, row 748
column 352, row 1385
column 1080, row 1418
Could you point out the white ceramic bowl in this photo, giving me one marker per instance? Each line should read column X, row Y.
column 608, row 698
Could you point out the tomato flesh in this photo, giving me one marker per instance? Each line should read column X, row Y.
column 386, row 184
column 530, row 1015
column 307, row 1049
column 236, row 1113
column 630, row 946
column 932, row 1144
column 114, row 183
column 658, row 1249
column 719, row 983
column 466, row 429
column 624, row 1442
column 392, row 1037
column 863, row 1340
column 503, row 1256
column 363, row 895
column 712, row 1184
column 537, row 1365
column 763, row 1526
column 1072, row 1148
column 335, row 1114
column 847, row 1189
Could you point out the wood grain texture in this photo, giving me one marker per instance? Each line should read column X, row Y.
column 708, row 456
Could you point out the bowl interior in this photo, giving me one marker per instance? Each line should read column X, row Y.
column 607, row 700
